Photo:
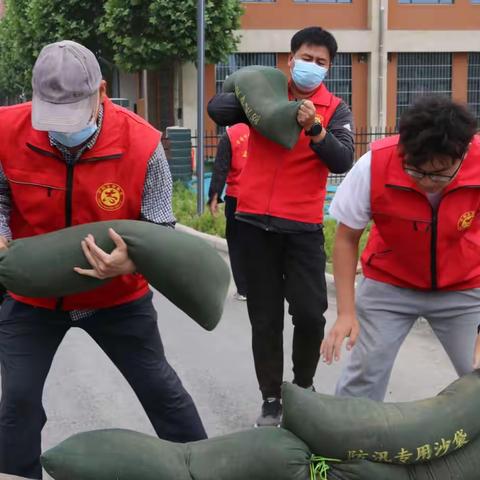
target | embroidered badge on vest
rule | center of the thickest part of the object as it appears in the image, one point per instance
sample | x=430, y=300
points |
x=465, y=221
x=110, y=196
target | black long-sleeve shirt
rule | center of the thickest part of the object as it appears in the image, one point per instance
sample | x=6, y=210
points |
x=221, y=168
x=336, y=150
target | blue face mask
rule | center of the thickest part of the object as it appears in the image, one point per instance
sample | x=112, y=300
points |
x=307, y=76
x=74, y=139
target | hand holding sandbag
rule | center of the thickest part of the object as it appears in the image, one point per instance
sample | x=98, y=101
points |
x=256, y=454
x=184, y=268
x=263, y=94
x=401, y=433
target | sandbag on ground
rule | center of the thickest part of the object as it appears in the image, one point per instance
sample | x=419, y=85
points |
x=346, y=428
x=184, y=268
x=462, y=464
x=256, y=454
x=116, y=455
x=263, y=94
x=267, y=453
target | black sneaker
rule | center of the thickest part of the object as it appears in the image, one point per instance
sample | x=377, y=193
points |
x=271, y=415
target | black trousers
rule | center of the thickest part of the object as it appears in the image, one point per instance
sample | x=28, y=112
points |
x=128, y=334
x=292, y=267
x=235, y=246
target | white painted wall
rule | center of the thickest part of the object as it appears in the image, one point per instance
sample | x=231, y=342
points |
x=189, y=94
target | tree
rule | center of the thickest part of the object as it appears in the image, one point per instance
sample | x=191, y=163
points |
x=77, y=20
x=144, y=33
x=29, y=25
x=16, y=58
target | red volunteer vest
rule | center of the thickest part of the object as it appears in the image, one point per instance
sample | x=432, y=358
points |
x=238, y=135
x=287, y=183
x=413, y=246
x=105, y=184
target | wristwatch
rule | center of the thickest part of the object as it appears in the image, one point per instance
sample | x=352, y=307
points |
x=315, y=129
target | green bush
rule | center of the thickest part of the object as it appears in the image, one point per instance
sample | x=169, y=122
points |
x=185, y=209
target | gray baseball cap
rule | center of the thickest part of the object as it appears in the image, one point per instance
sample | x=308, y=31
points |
x=66, y=78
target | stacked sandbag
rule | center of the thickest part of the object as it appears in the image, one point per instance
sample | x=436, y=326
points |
x=398, y=433
x=461, y=464
x=257, y=454
x=184, y=268
x=263, y=94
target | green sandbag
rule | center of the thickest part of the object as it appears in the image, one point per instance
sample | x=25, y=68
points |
x=182, y=267
x=462, y=464
x=263, y=94
x=256, y=454
x=267, y=453
x=351, y=428
x=116, y=455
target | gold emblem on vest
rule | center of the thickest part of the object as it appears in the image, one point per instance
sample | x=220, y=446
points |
x=110, y=196
x=465, y=221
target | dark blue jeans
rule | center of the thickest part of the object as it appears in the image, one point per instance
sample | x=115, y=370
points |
x=128, y=334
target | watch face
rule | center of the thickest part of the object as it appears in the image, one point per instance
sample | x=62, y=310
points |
x=316, y=129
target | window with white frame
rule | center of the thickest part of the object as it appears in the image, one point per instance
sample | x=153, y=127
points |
x=473, y=98
x=339, y=77
x=420, y=74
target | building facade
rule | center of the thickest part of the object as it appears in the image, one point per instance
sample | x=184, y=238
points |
x=390, y=51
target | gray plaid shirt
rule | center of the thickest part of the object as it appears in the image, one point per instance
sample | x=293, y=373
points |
x=156, y=199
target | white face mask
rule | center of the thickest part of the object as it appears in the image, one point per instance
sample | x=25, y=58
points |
x=307, y=76
x=75, y=139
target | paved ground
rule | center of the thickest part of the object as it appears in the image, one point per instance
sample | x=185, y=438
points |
x=84, y=391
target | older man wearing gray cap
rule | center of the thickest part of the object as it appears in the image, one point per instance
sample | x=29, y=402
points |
x=70, y=157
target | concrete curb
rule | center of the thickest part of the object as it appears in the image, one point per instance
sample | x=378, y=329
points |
x=220, y=244
x=217, y=243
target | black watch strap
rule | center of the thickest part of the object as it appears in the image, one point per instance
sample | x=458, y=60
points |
x=315, y=129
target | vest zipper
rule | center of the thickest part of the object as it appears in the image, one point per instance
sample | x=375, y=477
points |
x=434, y=237
x=68, y=212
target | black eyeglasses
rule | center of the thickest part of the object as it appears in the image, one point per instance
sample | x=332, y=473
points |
x=434, y=177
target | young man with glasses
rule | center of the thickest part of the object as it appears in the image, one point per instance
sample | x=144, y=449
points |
x=421, y=188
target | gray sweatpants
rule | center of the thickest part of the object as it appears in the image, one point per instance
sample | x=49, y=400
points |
x=387, y=313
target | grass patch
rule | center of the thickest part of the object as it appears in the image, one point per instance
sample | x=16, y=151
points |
x=185, y=210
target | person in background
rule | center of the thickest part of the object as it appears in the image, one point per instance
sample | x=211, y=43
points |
x=280, y=213
x=229, y=162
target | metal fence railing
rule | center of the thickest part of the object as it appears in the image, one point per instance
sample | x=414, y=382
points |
x=363, y=139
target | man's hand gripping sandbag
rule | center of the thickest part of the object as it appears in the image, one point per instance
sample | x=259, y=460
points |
x=184, y=268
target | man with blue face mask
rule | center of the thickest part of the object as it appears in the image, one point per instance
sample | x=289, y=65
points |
x=280, y=213
x=71, y=157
